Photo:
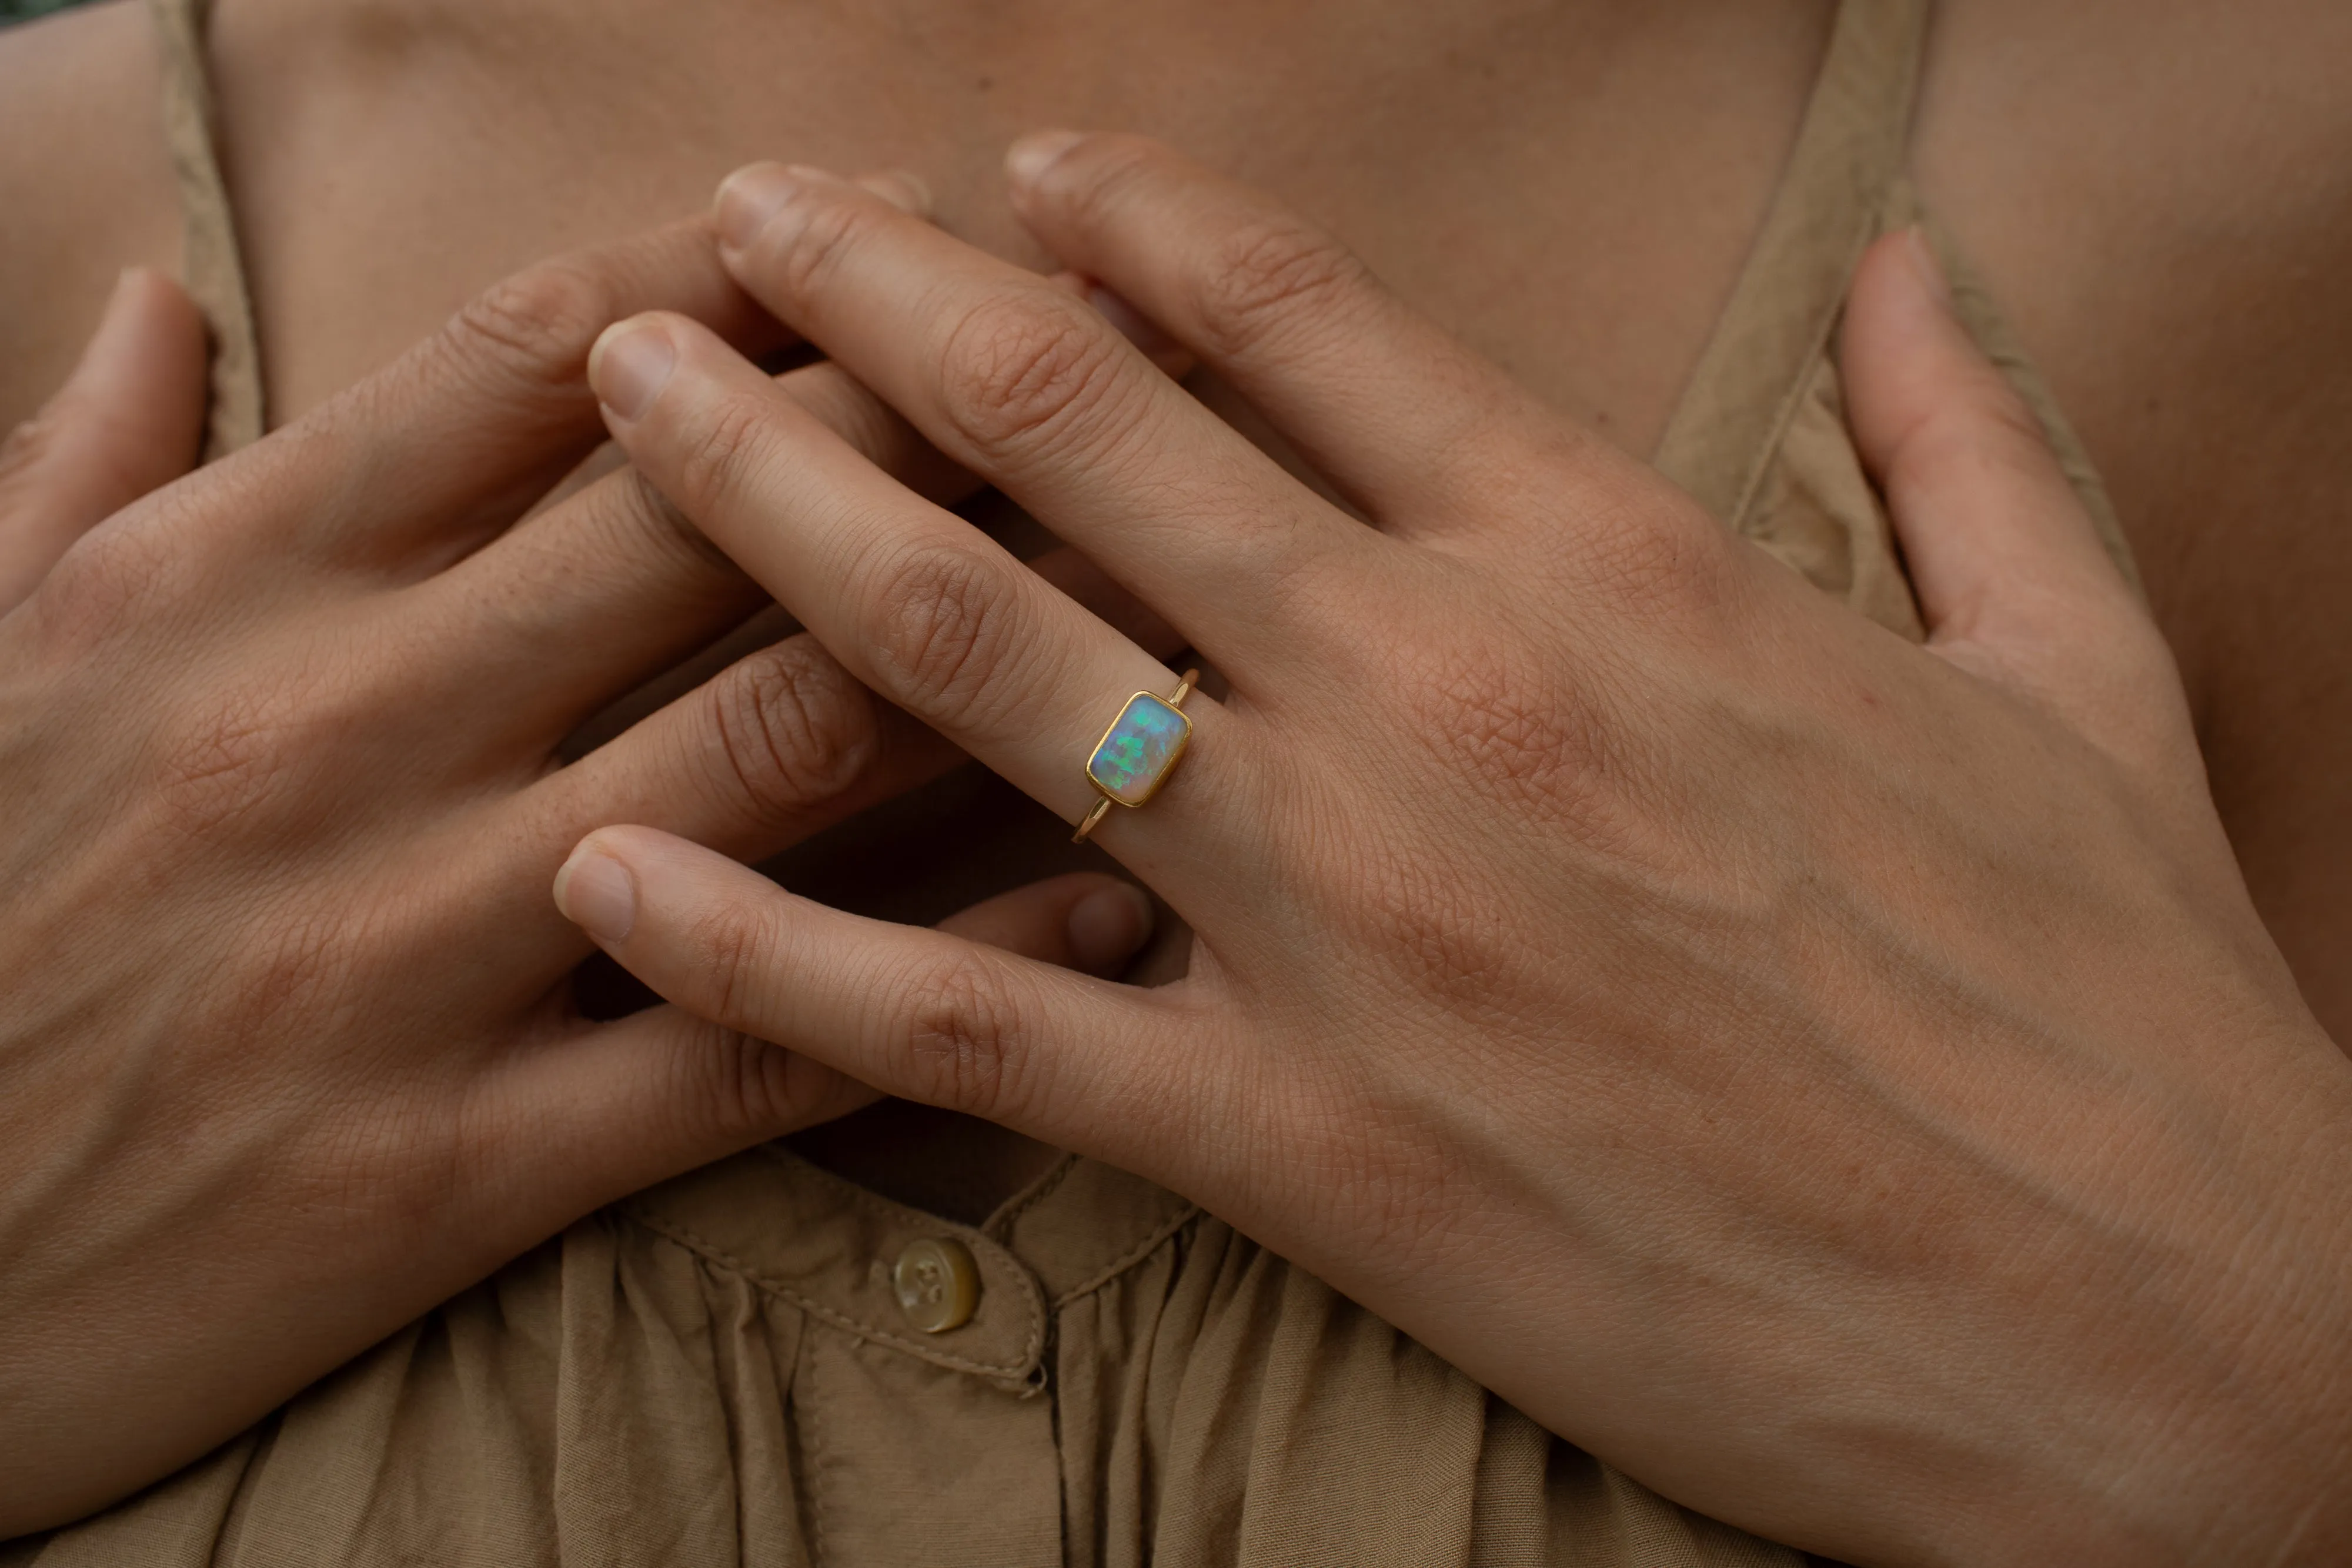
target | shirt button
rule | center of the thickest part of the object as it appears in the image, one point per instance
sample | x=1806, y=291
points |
x=938, y=1284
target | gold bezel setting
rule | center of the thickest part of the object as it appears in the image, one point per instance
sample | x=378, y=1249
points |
x=1124, y=718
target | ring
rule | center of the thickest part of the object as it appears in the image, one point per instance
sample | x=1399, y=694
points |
x=1138, y=752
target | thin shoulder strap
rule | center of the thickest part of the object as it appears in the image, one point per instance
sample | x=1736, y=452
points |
x=1846, y=183
x=213, y=265
x=1847, y=161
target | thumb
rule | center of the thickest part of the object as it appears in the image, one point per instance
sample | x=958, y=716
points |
x=600, y=1111
x=2012, y=580
x=126, y=422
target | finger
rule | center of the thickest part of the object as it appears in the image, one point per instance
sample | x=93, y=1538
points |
x=2012, y=578
x=615, y=593
x=634, y=1102
x=1027, y=387
x=418, y=465
x=781, y=744
x=769, y=748
x=588, y=599
x=777, y=745
x=1384, y=403
x=1083, y=921
x=1060, y=568
x=128, y=422
x=922, y=1014
x=914, y=602
x=607, y=587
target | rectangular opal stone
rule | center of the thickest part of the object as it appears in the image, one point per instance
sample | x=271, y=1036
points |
x=1139, y=748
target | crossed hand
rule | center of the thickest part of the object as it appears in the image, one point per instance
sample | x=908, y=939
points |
x=1840, y=1081
x=289, y=1052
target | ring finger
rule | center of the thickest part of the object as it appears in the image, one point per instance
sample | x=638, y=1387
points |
x=914, y=601
x=581, y=604
x=1021, y=384
x=610, y=586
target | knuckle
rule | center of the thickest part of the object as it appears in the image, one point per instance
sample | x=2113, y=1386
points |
x=1997, y=419
x=1512, y=722
x=638, y=510
x=745, y=1086
x=945, y=622
x=2011, y=428
x=219, y=766
x=793, y=729
x=1958, y=444
x=159, y=560
x=819, y=232
x=1269, y=271
x=536, y=327
x=731, y=954
x=1646, y=559
x=231, y=758
x=1026, y=372
x=963, y=1035
x=1108, y=179
x=723, y=452
x=25, y=452
x=1509, y=723
x=105, y=582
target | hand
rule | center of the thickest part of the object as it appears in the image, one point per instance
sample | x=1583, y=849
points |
x=1840, y=1081
x=127, y=422
x=287, y=1052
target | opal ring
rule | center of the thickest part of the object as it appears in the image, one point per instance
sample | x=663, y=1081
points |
x=1138, y=752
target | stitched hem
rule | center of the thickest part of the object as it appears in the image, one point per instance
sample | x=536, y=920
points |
x=1134, y=1255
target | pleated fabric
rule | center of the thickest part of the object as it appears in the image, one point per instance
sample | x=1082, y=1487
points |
x=718, y=1372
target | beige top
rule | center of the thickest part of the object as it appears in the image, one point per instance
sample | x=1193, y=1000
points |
x=723, y=1370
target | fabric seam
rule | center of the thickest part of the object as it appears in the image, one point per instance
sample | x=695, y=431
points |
x=1016, y=1372
x=1133, y=1256
x=1792, y=397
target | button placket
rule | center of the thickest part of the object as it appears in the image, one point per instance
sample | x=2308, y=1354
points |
x=829, y=1247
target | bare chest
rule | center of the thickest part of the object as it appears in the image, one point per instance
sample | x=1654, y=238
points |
x=1573, y=194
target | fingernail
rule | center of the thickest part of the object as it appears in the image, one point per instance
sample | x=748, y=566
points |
x=1026, y=161
x=629, y=366
x=597, y=893
x=747, y=198
x=123, y=282
x=113, y=335
x=1132, y=324
x=1930, y=269
x=901, y=189
x=1108, y=926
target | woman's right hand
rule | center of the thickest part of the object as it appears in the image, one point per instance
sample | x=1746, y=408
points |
x=287, y=1051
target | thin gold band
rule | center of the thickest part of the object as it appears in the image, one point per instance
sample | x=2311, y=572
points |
x=1102, y=807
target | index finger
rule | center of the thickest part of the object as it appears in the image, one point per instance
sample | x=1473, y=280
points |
x=1384, y=403
x=1027, y=386
x=415, y=466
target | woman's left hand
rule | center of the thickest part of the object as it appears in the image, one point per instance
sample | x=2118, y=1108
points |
x=1842, y=1083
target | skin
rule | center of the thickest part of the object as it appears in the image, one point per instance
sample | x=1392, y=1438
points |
x=1594, y=282
x=1977, y=1199
x=2156, y=192
x=231, y=1160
